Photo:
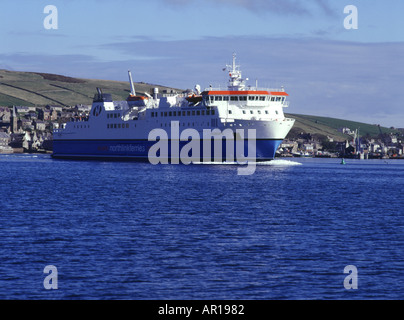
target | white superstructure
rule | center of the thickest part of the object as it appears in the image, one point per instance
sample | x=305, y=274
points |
x=238, y=106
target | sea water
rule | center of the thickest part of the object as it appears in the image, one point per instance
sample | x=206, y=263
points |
x=127, y=230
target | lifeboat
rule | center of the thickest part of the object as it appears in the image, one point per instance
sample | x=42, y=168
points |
x=194, y=98
x=137, y=100
x=133, y=99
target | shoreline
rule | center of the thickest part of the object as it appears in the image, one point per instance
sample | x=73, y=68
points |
x=47, y=152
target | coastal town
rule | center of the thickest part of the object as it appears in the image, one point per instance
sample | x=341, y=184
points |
x=384, y=146
x=28, y=129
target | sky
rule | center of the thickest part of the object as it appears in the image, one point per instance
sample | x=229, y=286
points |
x=303, y=45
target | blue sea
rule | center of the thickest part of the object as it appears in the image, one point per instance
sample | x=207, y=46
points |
x=128, y=230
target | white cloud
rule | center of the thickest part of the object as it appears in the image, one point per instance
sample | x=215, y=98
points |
x=285, y=7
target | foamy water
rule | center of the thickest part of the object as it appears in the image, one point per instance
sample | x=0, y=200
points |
x=279, y=163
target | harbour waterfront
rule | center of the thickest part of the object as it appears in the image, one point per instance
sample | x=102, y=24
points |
x=125, y=230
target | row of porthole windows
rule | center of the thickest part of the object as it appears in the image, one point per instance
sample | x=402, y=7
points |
x=113, y=115
x=252, y=112
x=184, y=113
x=118, y=125
x=81, y=126
x=213, y=123
x=193, y=124
x=247, y=124
x=202, y=124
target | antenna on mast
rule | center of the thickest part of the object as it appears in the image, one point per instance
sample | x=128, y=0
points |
x=234, y=62
x=132, y=88
x=236, y=82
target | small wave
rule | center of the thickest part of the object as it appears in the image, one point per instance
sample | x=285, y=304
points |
x=25, y=156
x=216, y=163
x=283, y=163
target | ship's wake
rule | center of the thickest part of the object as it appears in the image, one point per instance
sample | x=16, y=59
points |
x=280, y=163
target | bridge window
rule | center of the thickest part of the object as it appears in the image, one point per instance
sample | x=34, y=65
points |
x=233, y=98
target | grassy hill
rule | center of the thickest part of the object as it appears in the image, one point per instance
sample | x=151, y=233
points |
x=30, y=88
x=329, y=127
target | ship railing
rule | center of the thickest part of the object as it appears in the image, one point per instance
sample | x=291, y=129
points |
x=256, y=119
x=246, y=88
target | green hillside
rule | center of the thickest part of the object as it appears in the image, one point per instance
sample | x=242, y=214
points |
x=30, y=88
x=329, y=127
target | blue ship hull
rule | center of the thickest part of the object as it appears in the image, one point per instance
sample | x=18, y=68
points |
x=139, y=150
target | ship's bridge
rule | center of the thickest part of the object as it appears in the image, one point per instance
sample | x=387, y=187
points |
x=240, y=95
x=246, y=97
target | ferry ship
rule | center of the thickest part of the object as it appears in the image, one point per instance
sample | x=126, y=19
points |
x=120, y=129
